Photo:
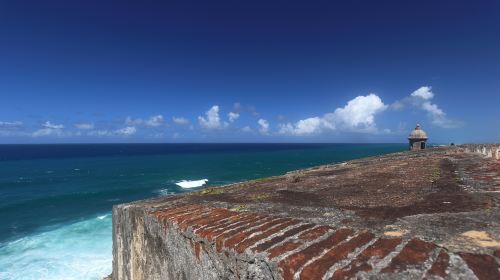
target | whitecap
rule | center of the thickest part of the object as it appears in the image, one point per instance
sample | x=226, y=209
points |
x=185, y=184
x=80, y=250
x=164, y=192
x=102, y=217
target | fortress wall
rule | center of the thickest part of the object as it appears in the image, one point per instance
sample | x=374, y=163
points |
x=488, y=150
x=199, y=242
x=283, y=231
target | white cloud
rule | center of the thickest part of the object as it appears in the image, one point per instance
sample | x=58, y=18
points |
x=233, y=116
x=50, y=125
x=302, y=127
x=13, y=132
x=421, y=97
x=246, y=129
x=180, y=120
x=100, y=133
x=397, y=105
x=360, y=111
x=126, y=131
x=130, y=121
x=47, y=132
x=11, y=128
x=10, y=125
x=84, y=126
x=263, y=126
x=154, y=121
x=211, y=119
x=424, y=92
x=50, y=129
x=176, y=135
x=358, y=115
x=438, y=116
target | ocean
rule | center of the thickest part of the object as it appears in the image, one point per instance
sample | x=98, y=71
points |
x=55, y=200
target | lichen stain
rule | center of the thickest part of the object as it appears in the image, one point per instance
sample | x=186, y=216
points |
x=481, y=238
x=394, y=233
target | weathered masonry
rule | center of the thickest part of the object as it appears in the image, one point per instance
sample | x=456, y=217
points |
x=417, y=139
x=433, y=214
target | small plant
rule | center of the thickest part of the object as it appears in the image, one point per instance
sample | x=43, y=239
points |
x=241, y=207
x=263, y=179
x=209, y=191
x=436, y=174
x=259, y=196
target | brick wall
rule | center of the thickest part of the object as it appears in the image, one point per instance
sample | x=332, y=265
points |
x=199, y=242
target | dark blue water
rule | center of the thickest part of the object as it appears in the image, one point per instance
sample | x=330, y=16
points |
x=55, y=200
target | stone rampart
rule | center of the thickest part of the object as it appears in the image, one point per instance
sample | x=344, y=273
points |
x=431, y=214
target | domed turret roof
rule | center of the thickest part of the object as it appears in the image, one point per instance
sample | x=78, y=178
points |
x=418, y=133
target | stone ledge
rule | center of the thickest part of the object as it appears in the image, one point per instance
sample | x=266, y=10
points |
x=297, y=249
x=431, y=214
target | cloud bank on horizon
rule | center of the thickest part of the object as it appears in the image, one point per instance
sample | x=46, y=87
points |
x=357, y=116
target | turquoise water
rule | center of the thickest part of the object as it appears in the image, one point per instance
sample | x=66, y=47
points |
x=55, y=200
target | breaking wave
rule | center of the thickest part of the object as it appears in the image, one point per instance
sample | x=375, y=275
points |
x=191, y=184
x=81, y=250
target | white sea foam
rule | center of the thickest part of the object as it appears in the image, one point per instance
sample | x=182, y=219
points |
x=164, y=192
x=191, y=184
x=74, y=251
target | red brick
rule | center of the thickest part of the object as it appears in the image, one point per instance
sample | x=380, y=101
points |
x=416, y=252
x=485, y=267
x=379, y=250
x=193, y=218
x=221, y=223
x=177, y=219
x=201, y=231
x=440, y=265
x=168, y=217
x=220, y=239
x=275, y=240
x=237, y=227
x=294, y=262
x=250, y=241
x=197, y=249
x=237, y=238
x=319, y=267
x=250, y=219
x=166, y=213
x=237, y=220
x=314, y=233
x=294, y=244
x=213, y=217
x=283, y=248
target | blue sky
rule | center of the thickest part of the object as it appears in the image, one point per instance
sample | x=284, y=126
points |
x=248, y=71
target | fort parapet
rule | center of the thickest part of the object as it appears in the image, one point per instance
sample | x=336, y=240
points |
x=430, y=214
x=488, y=150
